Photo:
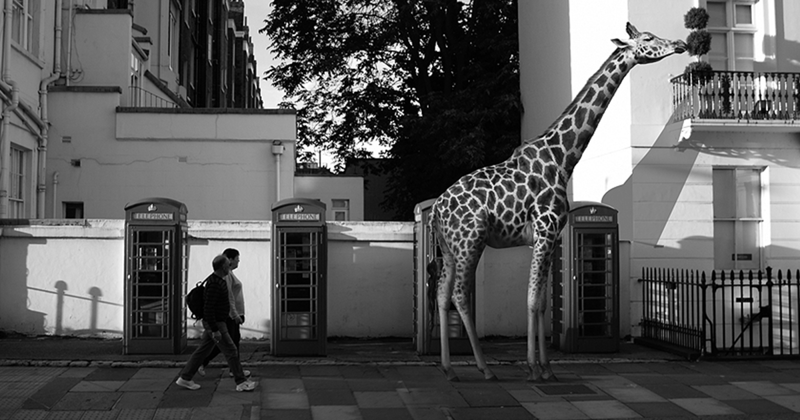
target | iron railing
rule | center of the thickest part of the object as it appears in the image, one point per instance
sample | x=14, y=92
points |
x=727, y=314
x=736, y=95
x=140, y=98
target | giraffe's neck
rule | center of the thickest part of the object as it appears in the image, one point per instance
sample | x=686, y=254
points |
x=567, y=138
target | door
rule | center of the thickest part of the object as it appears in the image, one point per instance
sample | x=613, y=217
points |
x=300, y=306
x=150, y=290
x=595, y=271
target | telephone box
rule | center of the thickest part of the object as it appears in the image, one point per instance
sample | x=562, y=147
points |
x=426, y=309
x=299, y=278
x=156, y=274
x=586, y=281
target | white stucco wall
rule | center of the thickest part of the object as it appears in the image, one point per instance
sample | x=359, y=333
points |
x=328, y=188
x=66, y=278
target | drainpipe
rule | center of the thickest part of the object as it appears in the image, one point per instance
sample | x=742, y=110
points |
x=41, y=188
x=68, y=73
x=5, y=147
x=55, y=195
x=277, y=150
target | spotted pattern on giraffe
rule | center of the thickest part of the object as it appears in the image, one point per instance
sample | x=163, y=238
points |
x=523, y=200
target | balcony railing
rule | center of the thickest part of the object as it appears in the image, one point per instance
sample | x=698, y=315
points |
x=140, y=98
x=736, y=95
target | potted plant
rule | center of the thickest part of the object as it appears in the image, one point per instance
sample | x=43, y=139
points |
x=698, y=44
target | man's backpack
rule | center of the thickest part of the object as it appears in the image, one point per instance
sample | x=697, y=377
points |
x=196, y=299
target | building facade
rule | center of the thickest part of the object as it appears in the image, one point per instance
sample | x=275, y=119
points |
x=704, y=170
x=110, y=101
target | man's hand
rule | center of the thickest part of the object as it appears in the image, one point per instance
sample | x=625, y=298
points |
x=240, y=319
x=216, y=335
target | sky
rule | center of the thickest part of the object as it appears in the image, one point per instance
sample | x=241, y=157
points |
x=256, y=11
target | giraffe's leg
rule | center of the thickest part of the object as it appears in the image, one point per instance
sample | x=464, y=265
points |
x=462, y=298
x=443, y=295
x=547, y=370
x=537, y=303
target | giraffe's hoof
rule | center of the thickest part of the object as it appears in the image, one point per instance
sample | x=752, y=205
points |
x=535, y=374
x=548, y=375
x=488, y=374
x=450, y=374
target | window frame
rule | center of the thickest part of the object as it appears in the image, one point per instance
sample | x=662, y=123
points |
x=17, y=182
x=730, y=31
x=25, y=25
x=340, y=209
x=721, y=260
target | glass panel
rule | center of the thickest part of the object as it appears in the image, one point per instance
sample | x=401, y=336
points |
x=744, y=14
x=723, y=245
x=743, y=45
x=747, y=250
x=717, y=14
x=748, y=193
x=723, y=181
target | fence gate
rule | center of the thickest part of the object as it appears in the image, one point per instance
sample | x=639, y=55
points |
x=729, y=314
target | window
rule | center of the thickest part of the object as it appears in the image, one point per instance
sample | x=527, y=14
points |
x=25, y=24
x=171, y=38
x=16, y=196
x=136, y=80
x=341, y=210
x=73, y=210
x=732, y=27
x=737, y=218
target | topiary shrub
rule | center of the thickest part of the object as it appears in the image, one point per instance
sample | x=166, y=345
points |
x=695, y=18
x=698, y=42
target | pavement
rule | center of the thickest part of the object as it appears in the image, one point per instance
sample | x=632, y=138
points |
x=75, y=378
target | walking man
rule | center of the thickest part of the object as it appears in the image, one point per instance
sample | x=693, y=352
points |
x=236, y=316
x=216, y=310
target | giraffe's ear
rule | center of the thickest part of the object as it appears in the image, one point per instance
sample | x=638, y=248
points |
x=619, y=43
x=632, y=31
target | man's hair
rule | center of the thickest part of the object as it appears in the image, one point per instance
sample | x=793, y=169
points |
x=219, y=260
x=231, y=253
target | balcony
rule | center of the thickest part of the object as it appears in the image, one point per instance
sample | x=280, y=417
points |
x=737, y=101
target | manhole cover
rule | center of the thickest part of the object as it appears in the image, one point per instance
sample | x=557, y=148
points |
x=566, y=389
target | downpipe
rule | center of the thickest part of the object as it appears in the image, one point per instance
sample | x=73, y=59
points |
x=41, y=188
x=5, y=147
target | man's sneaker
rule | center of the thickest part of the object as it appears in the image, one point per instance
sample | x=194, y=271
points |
x=201, y=370
x=187, y=384
x=246, y=373
x=246, y=386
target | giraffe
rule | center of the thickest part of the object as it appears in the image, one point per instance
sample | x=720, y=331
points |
x=523, y=201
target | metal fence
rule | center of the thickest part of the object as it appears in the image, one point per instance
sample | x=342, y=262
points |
x=726, y=314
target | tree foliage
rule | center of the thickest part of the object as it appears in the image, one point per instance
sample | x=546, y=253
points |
x=435, y=81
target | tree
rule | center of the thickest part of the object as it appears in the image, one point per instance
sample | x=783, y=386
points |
x=436, y=81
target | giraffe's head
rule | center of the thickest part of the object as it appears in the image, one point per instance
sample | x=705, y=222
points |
x=648, y=48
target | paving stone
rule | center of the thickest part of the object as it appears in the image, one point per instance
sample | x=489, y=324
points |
x=111, y=374
x=378, y=399
x=132, y=400
x=64, y=415
x=100, y=415
x=156, y=373
x=400, y=413
x=647, y=379
x=483, y=413
x=605, y=409
x=28, y=415
x=659, y=409
x=633, y=394
x=311, y=371
x=324, y=383
x=282, y=385
x=676, y=390
x=285, y=401
x=725, y=392
x=792, y=402
x=369, y=384
x=432, y=397
x=147, y=385
x=217, y=413
x=78, y=401
x=760, y=406
x=335, y=412
x=554, y=410
x=97, y=386
x=763, y=388
x=48, y=395
x=282, y=414
x=328, y=397
x=488, y=398
x=706, y=406
x=172, y=414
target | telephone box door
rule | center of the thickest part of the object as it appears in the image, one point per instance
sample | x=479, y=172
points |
x=586, y=281
x=156, y=254
x=299, y=296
